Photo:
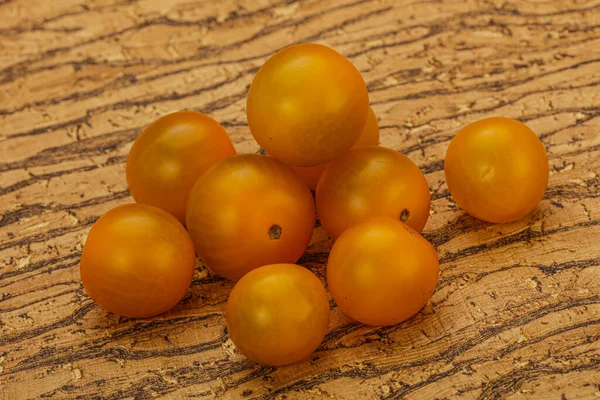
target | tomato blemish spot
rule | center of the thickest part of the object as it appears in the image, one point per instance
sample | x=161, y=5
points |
x=274, y=232
x=404, y=215
x=410, y=231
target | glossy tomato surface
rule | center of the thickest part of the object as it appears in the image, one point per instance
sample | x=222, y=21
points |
x=371, y=182
x=307, y=105
x=170, y=155
x=278, y=314
x=381, y=272
x=137, y=261
x=497, y=169
x=368, y=137
x=247, y=211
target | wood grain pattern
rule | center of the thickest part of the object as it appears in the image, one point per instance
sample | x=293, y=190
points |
x=517, y=310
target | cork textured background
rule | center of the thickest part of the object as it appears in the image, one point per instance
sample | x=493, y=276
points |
x=517, y=310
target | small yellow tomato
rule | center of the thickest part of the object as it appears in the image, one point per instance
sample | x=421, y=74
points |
x=371, y=182
x=310, y=175
x=307, y=105
x=278, y=314
x=381, y=272
x=247, y=211
x=370, y=134
x=497, y=169
x=137, y=261
x=170, y=155
x=368, y=137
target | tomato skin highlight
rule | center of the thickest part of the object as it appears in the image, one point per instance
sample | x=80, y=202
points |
x=307, y=105
x=170, y=155
x=368, y=137
x=371, y=182
x=247, y=211
x=381, y=272
x=497, y=169
x=138, y=261
x=278, y=314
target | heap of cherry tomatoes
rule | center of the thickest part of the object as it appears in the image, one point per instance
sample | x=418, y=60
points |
x=250, y=217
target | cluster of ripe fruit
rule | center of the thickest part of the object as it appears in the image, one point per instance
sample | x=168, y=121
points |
x=251, y=217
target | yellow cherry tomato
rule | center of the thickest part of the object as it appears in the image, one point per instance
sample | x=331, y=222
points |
x=368, y=137
x=310, y=175
x=247, y=211
x=497, y=169
x=278, y=314
x=307, y=105
x=170, y=155
x=137, y=261
x=370, y=134
x=381, y=272
x=371, y=182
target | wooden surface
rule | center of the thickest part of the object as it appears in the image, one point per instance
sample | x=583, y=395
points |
x=517, y=310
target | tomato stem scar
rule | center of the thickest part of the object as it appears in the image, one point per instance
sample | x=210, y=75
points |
x=275, y=232
x=404, y=215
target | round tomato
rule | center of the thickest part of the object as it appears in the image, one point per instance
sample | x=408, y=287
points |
x=370, y=134
x=307, y=105
x=170, y=155
x=371, y=182
x=137, y=261
x=310, y=175
x=247, y=211
x=368, y=137
x=278, y=314
x=497, y=169
x=381, y=272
